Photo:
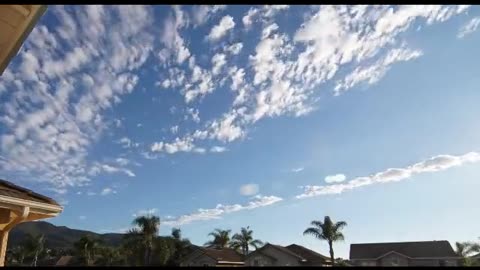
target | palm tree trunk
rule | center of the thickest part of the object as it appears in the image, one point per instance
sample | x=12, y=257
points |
x=147, y=255
x=332, y=256
x=35, y=259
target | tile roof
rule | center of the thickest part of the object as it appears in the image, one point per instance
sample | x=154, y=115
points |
x=424, y=249
x=11, y=190
x=303, y=254
x=308, y=254
x=224, y=254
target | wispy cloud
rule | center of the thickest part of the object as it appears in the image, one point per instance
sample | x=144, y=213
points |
x=434, y=164
x=49, y=131
x=108, y=191
x=220, y=210
x=145, y=212
x=218, y=149
x=299, y=169
x=335, y=178
x=469, y=27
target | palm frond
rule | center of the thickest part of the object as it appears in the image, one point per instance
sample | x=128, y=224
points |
x=312, y=231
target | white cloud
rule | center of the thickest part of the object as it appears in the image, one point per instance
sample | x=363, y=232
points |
x=178, y=145
x=220, y=210
x=171, y=38
x=82, y=217
x=222, y=28
x=98, y=168
x=91, y=193
x=218, y=61
x=218, y=149
x=174, y=129
x=203, y=13
x=235, y=48
x=122, y=161
x=77, y=73
x=146, y=212
x=434, y=164
x=107, y=191
x=335, y=178
x=469, y=27
x=249, y=17
x=249, y=189
x=126, y=142
x=375, y=72
x=295, y=170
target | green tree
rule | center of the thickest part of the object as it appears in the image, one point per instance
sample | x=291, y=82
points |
x=180, y=247
x=148, y=229
x=328, y=231
x=221, y=238
x=244, y=240
x=34, y=246
x=110, y=255
x=19, y=253
x=465, y=250
x=132, y=248
x=87, y=247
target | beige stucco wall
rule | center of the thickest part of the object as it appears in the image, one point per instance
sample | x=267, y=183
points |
x=393, y=259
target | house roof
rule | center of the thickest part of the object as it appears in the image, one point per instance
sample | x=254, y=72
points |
x=303, y=254
x=223, y=255
x=64, y=260
x=11, y=190
x=424, y=249
x=308, y=254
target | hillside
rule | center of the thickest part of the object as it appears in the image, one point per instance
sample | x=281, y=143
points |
x=57, y=236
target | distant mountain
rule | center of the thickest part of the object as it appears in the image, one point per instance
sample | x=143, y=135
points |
x=57, y=236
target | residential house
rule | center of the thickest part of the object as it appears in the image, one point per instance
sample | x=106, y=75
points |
x=201, y=256
x=426, y=253
x=18, y=204
x=292, y=255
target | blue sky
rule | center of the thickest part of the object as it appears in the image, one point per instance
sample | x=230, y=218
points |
x=261, y=116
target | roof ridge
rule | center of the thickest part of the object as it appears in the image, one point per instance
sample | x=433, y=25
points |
x=403, y=242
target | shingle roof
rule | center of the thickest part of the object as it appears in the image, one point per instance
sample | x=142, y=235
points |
x=224, y=254
x=308, y=254
x=425, y=249
x=303, y=254
x=11, y=190
x=288, y=251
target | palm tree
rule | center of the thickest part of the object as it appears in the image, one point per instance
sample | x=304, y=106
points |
x=244, y=239
x=148, y=228
x=35, y=246
x=132, y=248
x=181, y=247
x=327, y=230
x=87, y=246
x=221, y=238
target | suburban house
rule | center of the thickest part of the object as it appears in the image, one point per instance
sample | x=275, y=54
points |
x=292, y=255
x=18, y=204
x=201, y=256
x=426, y=253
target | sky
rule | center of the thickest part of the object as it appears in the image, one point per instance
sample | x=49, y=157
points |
x=261, y=116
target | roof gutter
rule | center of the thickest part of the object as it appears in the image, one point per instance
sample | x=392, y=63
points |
x=38, y=207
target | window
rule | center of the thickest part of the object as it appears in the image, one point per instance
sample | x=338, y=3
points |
x=394, y=261
x=255, y=262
